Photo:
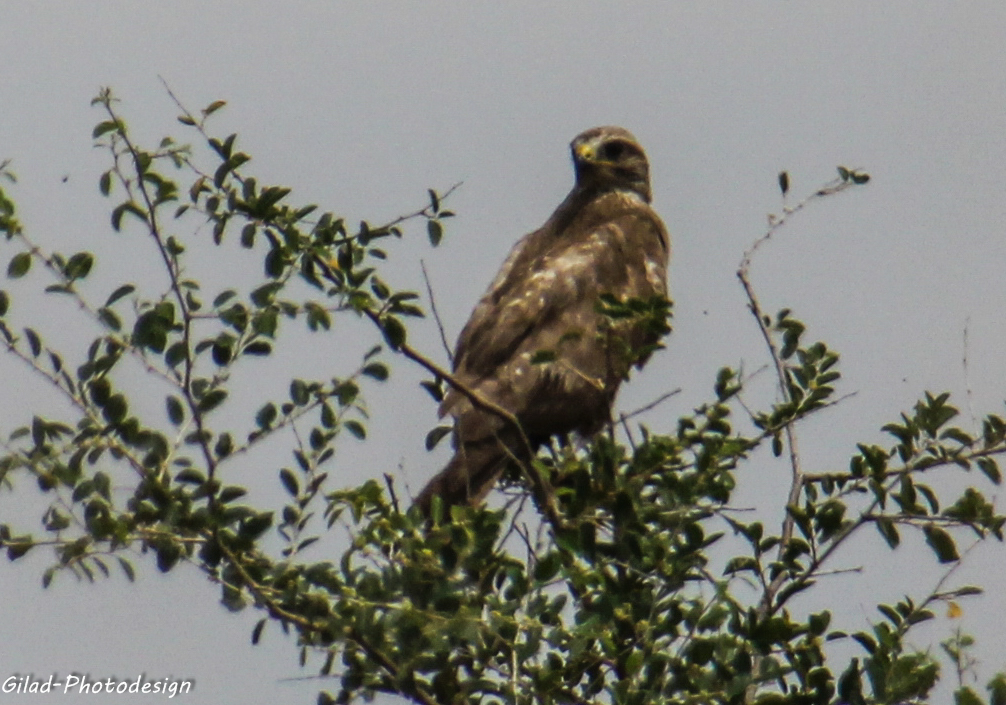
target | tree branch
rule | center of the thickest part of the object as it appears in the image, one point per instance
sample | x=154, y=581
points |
x=436, y=314
x=539, y=487
x=261, y=593
x=171, y=266
x=743, y=274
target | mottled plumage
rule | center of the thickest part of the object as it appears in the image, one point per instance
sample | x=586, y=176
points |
x=603, y=239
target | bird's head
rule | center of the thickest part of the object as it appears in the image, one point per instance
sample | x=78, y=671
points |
x=611, y=158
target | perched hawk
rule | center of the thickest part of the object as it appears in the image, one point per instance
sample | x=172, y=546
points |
x=604, y=238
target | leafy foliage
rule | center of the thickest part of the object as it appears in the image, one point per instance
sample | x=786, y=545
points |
x=615, y=598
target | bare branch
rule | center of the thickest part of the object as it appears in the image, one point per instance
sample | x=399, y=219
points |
x=436, y=314
x=652, y=405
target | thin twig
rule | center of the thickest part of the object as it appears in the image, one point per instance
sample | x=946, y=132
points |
x=520, y=500
x=838, y=571
x=906, y=469
x=436, y=314
x=652, y=405
x=776, y=221
x=623, y=419
x=389, y=482
x=967, y=376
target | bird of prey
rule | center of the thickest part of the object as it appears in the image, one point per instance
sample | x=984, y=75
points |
x=536, y=344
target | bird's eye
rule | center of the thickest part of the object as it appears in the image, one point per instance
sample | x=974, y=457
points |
x=613, y=151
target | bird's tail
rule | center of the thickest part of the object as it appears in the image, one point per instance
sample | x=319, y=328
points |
x=471, y=473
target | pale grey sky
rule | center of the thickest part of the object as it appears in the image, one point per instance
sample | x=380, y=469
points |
x=362, y=106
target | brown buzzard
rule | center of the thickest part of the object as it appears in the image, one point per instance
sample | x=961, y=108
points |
x=604, y=238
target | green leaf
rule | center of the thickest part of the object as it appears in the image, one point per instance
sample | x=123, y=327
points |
x=274, y=263
x=988, y=465
x=328, y=418
x=740, y=564
x=784, y=182
x=175, y=354
x=433, y=389
x=212, y=400
x=190, y=476
x=79, y=265
x=265, y=322
x=435, y=231
x=266, y=416
x=298, y=392
x=248, y=236
x=33, y=342
x=213, y=107
x=127, y=568
x=958, y=435
x=394, y=331
x=259, y=347
x=167, y=556
x=115, y=409
x=436, y=435
x=152, y=327
x=942, y=544
x=255, y=526
x=124, y=290
x=109, y=318
x=356, y=428
x=4, y=303
x=263, y=295
x=176, y=412
x=818, y=623
x=229, y=494
x=890, y=613
x=376, y=370
x=289, y=482
x=19, y=265
x=105, y=183
x=997, y=690
x=257, y=631
x=223, y=297
x=225, y=445
x=850, y=685
x=317, y=317
x=223, y=350
x=104, y=127
x=17, y=549
x=122, y=209
x=888, y=531
x=966, y=696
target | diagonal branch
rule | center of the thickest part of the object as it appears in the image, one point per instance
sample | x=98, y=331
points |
x=171, y=267
x=539, y=486
x=436, y=314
